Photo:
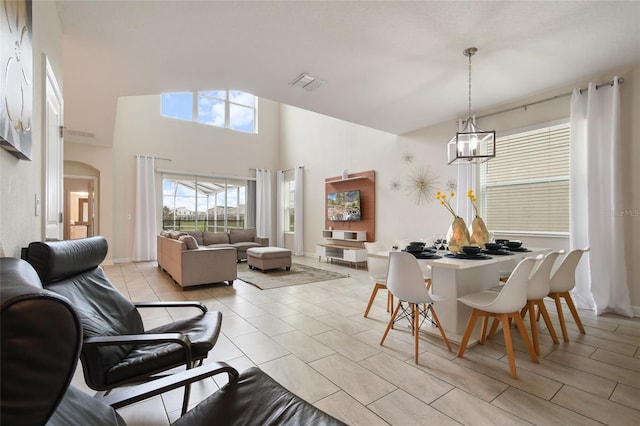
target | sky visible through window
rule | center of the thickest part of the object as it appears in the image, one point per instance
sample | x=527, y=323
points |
x=212, y=107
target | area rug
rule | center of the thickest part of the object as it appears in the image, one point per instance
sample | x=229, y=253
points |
x=299, y=274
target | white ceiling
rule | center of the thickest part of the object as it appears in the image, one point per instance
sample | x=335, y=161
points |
x=396, y=66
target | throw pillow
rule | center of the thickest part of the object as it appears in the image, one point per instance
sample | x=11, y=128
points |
x=189, y=241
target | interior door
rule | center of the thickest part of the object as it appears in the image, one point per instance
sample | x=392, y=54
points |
x=53, y=204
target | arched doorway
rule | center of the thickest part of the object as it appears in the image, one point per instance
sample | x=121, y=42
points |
x=81, y=183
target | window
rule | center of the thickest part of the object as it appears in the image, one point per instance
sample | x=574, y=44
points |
x=231, y=109
x=289, y=205
x=204, y=203
x=526, y=187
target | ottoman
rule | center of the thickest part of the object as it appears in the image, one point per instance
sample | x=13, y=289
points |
x=268, y=258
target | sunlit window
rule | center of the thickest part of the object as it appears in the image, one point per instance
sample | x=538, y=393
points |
x=526, y=187
x=231, y=109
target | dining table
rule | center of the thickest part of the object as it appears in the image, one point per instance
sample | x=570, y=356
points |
x=453, y=276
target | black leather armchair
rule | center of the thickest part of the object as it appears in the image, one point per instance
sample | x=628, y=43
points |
x=116, y=348
x=41, y=337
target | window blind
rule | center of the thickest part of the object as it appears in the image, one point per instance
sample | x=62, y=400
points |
x=526, y=187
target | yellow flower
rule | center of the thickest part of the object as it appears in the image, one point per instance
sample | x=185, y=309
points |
x=473, y=199
x=445, y=202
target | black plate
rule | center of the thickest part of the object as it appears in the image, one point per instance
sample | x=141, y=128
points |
x=520, y=249
x=468, y=256
x=426, y=255
x=501, y=252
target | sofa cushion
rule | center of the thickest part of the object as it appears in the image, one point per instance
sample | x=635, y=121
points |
x=189, y=241
x=241, y=235
x=245, y=245
x=209, y=238
x=197, y=234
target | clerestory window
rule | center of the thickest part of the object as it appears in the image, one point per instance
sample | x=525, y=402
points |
x=231, y=109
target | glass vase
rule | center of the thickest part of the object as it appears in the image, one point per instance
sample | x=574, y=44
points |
x=479, y=232
x=459, y=235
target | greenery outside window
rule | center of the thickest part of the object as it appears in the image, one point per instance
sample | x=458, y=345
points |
x=204, y=203
x=231, y=109
x=289, y=205
x=525, y=188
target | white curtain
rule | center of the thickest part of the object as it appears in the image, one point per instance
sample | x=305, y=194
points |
x=263, y=204
x=298, y=220
x=145, y=227
x=596, y=200
x=280, y=190
x=466, y=181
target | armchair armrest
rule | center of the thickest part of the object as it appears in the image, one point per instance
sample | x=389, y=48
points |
x=263, y=241
x=133, y=394
x=129, y=339
x=172, y=304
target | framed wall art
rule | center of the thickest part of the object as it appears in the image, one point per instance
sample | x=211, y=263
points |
x=16, y=77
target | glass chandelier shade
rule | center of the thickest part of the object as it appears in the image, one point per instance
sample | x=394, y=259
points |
x=471, y=145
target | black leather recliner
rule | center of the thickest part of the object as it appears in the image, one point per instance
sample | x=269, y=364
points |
x=116, y=348
x=41, y=337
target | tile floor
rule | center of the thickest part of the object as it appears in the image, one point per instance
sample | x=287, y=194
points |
x=314, y=340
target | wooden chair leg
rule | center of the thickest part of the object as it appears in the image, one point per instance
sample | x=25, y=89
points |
x=373, y=297
x=574, y=311
x=508, y=343
x=525, y=336
x=390, y=325
x=494, y=328
x=467, y=333
x=389, y=302
x=415, y=316
x=483, y=330
x=427, y=281
x=437, y=321
x=542, y=310
x=529, y=307
x=563, y=325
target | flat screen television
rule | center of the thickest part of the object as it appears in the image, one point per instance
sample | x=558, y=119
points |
x=344, y=206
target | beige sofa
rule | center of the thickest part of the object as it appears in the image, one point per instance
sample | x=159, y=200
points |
x=239, y=239
x=189, y=267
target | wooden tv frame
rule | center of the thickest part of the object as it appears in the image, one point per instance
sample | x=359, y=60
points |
x=366, y=183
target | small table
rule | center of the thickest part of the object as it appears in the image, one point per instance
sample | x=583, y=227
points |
x=454, y=278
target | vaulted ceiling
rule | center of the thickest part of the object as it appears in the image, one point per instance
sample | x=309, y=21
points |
x=395, y=66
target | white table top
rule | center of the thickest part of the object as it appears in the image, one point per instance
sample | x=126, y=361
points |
x=448, y=262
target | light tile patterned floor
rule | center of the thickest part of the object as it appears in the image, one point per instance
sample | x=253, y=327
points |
x=314, y=340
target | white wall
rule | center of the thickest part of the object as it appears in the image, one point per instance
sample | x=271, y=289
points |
x=326, y=146
x=192, y=147
x=21, y=180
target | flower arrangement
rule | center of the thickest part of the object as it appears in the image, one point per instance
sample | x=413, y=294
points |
x=479, y=233
x=446, y=201
x=473, y=199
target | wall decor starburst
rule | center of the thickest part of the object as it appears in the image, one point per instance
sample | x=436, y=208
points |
x=407, y=158
x=421, y=185
x=395, y=185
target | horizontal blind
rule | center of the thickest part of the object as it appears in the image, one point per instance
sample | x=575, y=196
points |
x=526, y=186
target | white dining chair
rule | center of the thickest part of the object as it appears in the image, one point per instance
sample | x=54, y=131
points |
x=563, y=279
x=426, y=269
x=537, y=289
x=378, y=274
x=406, y=282
x=505, y=306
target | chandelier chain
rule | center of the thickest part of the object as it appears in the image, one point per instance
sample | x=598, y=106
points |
x=469, y=115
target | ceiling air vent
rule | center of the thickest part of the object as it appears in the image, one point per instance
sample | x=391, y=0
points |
x=307, y=82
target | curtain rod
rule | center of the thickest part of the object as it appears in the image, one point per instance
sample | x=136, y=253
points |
x=553, y=98
x=155, y=158
x=292, y=169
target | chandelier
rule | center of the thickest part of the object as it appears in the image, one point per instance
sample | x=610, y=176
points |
x=471, y=145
